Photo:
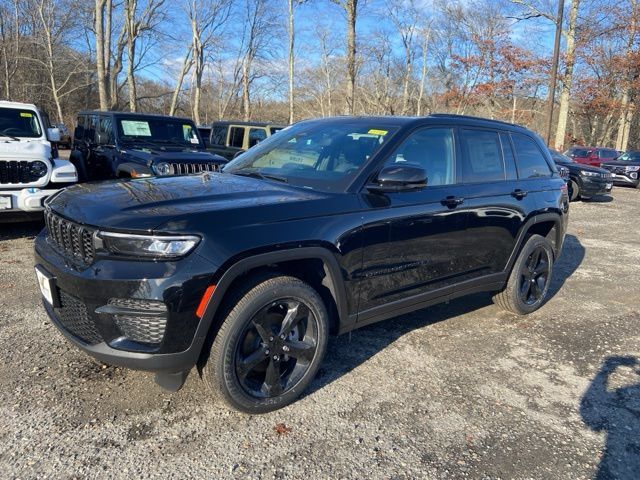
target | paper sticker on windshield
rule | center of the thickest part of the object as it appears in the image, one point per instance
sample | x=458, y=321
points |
x=136, y=128
x=373, y=131
x=26, y=114
x=190, y=134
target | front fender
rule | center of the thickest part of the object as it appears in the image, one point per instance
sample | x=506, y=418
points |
x=134, y=170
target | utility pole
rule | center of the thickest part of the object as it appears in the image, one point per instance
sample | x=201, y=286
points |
x=551, y=97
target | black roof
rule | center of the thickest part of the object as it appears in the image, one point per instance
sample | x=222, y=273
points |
x=131, y=114
x=250, y=124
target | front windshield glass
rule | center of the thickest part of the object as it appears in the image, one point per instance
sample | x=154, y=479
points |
x=630, y=157
x=16, y=122
x=159, y=131
x=319, y=155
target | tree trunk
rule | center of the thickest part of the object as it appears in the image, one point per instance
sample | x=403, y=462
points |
x=246, y=98
x=291, y=60
x=130, y=7
x=351, y=7
x=101, y=69
x=626, y=110
x=570, y=58
x=423, y=76
x=186, y=65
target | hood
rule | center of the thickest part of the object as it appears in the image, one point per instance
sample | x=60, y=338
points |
x=153, y=155
x=617, y=163
x=575, y=167
x=24, y=149
x=146, y=204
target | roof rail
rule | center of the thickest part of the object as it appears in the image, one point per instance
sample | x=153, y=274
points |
x=469, y=117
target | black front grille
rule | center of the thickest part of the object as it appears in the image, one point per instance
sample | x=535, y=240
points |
x=191, y=168
x=76, y=241
x=13, y=171
x=74, y=317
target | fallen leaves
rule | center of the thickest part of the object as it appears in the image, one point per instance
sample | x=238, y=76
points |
x=281, y=429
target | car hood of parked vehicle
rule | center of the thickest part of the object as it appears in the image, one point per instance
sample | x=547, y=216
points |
x=620, y=163
x=170, y=154
x=575, y=167
x=32, y=148
x=180, y=203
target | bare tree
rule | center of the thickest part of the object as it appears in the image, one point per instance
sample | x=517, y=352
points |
x=207, y=18
x=135, y=26
x=10, y=42
x=187, y=63
x=350, y=8
x=631, y=73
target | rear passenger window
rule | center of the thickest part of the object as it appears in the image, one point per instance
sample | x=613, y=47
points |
x=256, y=135
x=236, y=137
x=531, y=161
x=219, y=135
x=483, y=160
x=431, y=149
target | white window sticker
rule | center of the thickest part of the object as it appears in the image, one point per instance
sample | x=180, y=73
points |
x=136, y=128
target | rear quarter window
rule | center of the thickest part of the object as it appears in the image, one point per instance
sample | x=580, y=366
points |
x=531, y=162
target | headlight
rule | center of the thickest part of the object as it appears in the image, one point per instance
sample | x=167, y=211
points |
x=38, y=169
x=147, y=246
x=589, y=174
x=632, y=168
x=163, y=168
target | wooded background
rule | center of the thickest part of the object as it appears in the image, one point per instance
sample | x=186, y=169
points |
x=286, y=60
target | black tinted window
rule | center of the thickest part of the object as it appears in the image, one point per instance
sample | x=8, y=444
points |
x=483, y=159
x=608, y=154
x=256, y=135
x=236, y=137
x=531, y=161
x=431, y=149
x=104, y=128
x=219, y=135
x=509, y=159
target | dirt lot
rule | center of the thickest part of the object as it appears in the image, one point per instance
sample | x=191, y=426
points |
x=455, y=391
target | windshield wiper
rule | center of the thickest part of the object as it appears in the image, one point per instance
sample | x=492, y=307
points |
x=260, y=175
x=9, y=136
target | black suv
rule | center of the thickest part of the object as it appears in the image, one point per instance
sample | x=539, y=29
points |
x=585, y=181
x=328, y=226
x=131, y=145
x=625, y=169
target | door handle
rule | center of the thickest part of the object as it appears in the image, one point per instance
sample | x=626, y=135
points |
x=452, y=201
x=519, y=194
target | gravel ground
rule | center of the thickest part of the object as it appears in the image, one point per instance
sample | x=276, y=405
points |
x=460, y=390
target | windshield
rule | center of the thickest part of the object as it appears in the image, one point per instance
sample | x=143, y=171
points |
x=18, y=122
x=319, y=155
x=630, y=157
x=162, y=131
x=577, y=152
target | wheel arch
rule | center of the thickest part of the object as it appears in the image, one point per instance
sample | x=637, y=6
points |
x=316, y=265
x=548, y=225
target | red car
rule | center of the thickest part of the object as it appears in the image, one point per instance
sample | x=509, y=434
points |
x=591, y=155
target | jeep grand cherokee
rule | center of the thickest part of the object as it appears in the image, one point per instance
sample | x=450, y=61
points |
x=328, y=226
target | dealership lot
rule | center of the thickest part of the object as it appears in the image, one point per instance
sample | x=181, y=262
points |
x=457, y=390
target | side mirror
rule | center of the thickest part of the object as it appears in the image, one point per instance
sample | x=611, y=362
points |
x=396, y=178
x=53, y=134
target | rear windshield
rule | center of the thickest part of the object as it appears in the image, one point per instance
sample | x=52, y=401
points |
x=16, y=122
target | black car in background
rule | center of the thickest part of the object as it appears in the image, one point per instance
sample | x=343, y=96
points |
x=625, y=169
x=585, y=181
x=330, y=225
x=133, y=145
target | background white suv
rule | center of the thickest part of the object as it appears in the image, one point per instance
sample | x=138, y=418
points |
x=29, y=173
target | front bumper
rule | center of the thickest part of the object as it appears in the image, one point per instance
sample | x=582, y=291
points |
x=26, y=199
x=92, y=302
x=627, y=179
x=596, y=186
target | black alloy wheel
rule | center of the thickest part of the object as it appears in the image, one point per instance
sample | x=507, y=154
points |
x=528, y=285
x=270, y=344
x=534, y=276
x=276, y=348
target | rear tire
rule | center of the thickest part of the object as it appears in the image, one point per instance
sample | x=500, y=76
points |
x=574, y=191
x=269, y=346
x=528, y=285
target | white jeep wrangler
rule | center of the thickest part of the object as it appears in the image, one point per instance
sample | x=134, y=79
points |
x=29, y=173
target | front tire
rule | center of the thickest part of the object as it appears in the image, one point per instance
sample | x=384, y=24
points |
x=270, y=345
x=574, y=191
x=528, y=285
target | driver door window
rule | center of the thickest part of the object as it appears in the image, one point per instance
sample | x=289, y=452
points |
x=431, y=149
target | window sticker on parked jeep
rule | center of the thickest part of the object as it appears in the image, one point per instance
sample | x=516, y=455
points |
x=190, y=134
x=136, y=128
x=374, y=131
x=26, y=114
